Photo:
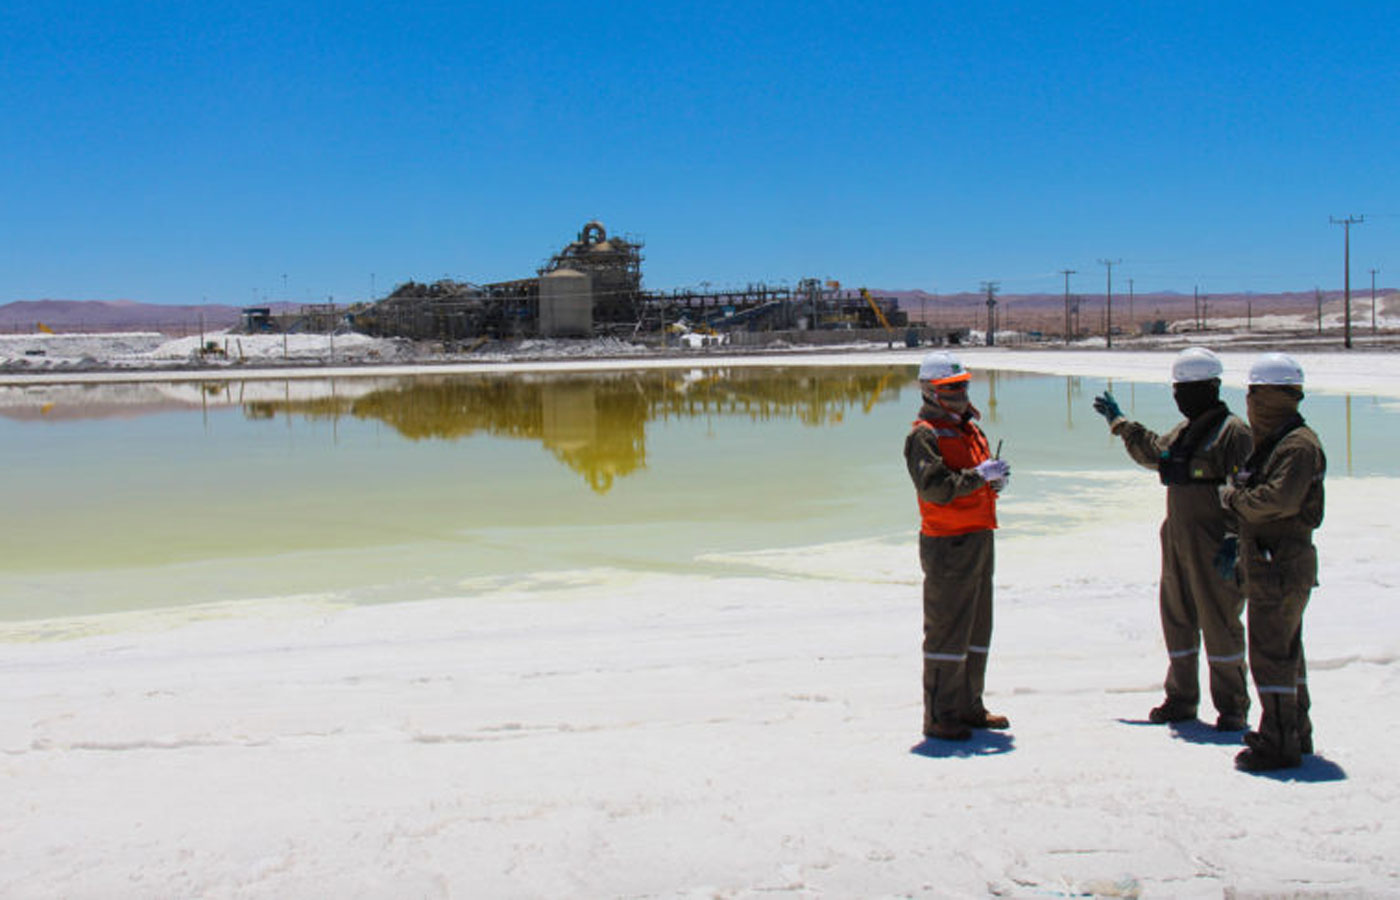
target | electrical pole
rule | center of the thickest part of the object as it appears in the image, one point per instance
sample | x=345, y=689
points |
x=991, y=287
x=1204, y=311
x=1196, y=306
x=1131, y=320
x=1067, y=273
x=1373, y=300
x=1317, y=292
x=1108, y=309
x=1346, y=265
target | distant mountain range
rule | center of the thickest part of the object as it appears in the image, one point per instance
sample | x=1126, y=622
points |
x=131, y=315
x=119, y=315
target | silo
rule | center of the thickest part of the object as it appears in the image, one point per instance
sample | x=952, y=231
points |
x=566, y=304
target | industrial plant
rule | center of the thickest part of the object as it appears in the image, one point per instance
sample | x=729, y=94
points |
x=593, y=287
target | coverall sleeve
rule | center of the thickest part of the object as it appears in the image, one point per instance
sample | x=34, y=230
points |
x=1233, y=449
x=935, y=480
x=1144, y=445
x=1280, y=495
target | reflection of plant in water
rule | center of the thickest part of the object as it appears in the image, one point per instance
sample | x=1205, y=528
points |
x=595, y=423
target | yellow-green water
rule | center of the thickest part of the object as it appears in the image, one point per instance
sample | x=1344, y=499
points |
x=377, y=490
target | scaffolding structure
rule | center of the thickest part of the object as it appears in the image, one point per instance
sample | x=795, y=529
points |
x=610, y=271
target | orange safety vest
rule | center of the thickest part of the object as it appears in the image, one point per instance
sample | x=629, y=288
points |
x=961, y=448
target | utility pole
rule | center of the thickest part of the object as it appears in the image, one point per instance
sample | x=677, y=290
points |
x=1317, y=292
x=1067, y=273
x=1108, y=309
x=1196, y=306
x=1131, y=320
x=1346, y=266
x=1373, y=300
x=991, y=287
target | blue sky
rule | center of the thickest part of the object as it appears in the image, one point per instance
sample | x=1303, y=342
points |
x=177, y=151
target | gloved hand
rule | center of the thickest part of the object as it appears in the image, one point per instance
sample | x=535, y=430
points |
x=1106, y=406
x=1226, y=557
x=994, y=472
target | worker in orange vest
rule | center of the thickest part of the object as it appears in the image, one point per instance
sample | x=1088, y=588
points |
x=957, y=480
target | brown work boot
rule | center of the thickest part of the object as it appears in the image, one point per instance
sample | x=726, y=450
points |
x=1171, y=711
x=985, y=719
x=1263, y=759
x=949, y=731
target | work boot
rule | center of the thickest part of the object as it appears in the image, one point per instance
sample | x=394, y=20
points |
x=1171, y=711
x=1228, y=722
x=1264, y=760
x=1275, y=745
x=949, y=731
x=985, y=719
x=1256, y=740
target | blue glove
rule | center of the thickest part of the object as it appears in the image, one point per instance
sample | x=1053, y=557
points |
x=1226, y=557
x=1106, y=406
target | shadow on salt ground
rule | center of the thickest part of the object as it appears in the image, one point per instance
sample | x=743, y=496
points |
x=1314, y=770
x=1198, y=732
x=1193, y=730
x=982, y=743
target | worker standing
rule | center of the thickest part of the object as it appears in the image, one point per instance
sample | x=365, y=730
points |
x=957, y=480
x=1198, y=594
x=1278, y=498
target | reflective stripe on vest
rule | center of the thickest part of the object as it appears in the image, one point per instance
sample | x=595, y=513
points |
x=977, y=511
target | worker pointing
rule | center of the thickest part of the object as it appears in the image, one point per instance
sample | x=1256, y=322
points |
x=957, y=481
x=1198, y=593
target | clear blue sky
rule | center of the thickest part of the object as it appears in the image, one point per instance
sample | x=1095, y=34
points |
x=174, y=151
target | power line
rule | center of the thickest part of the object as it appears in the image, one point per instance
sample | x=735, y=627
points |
x=991, y=287
x=1067, y=273
x=1108, y=323
x=1346, y=266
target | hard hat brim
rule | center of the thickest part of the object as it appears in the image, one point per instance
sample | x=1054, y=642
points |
x=951, y=379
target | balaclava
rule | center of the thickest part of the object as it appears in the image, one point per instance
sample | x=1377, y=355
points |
x=1196, y=397
x=1269, y=406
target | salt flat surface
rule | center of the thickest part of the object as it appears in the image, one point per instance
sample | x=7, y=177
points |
x=601, y=733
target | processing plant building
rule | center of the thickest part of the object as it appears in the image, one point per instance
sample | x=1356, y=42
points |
x=593, y=286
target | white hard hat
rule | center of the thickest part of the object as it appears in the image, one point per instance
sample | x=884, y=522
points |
x=1196, y=364
x=942, y=367
x=1276, y=368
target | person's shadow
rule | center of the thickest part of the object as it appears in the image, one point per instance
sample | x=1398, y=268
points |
x=1314, y=769
x=982, y=743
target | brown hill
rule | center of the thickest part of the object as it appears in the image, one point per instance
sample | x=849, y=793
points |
x=1047, y=311
x=91, y=316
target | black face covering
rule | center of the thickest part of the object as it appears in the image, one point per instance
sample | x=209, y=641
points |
x=1196, y=397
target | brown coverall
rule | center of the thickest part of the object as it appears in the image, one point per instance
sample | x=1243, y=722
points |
x=957, y=586
x=1193, y=599
x=1278, y=509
